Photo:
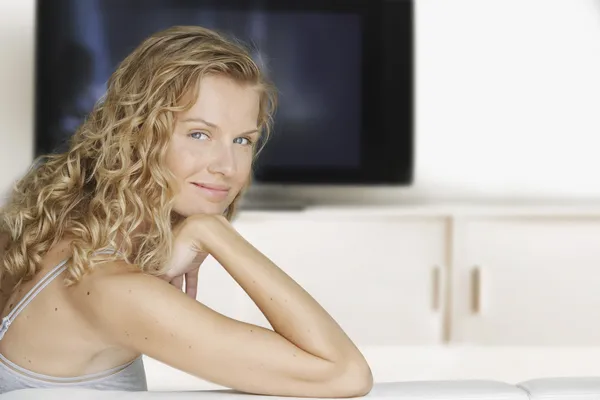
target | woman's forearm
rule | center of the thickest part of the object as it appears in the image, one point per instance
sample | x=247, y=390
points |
x=290, y=310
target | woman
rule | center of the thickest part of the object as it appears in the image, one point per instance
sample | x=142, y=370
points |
x=93, y=237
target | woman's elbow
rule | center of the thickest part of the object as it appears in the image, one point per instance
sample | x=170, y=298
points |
x=362, y=382
x=356, y=381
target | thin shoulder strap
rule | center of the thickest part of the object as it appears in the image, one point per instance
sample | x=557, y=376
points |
x=36, y=289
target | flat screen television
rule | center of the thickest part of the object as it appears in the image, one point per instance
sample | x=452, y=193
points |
x=344, y=70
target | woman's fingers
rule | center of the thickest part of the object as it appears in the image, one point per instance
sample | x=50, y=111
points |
x=191, y=283
x=178, y=282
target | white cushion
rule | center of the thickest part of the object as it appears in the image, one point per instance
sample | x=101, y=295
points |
x=425, y=390
x=447, y=390
x=579, y=388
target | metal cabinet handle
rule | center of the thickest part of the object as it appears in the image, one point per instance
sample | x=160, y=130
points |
x=476, y=290
x=436, y=288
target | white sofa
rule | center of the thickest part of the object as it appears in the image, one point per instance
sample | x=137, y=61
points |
x=584, y=388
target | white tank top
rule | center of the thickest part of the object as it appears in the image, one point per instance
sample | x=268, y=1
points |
x=130, y=376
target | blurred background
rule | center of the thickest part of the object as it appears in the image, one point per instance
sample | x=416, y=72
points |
x=506, y=93
x=434, y=174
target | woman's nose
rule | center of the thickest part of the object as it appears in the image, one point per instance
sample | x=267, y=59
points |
x=222, y=161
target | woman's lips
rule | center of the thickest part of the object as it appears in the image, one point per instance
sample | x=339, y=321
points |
x=214, y=192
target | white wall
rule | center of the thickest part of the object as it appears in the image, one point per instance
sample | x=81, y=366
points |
x=508, y=98
x=16, y=88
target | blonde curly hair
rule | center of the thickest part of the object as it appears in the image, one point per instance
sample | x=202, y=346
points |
x=113, y=178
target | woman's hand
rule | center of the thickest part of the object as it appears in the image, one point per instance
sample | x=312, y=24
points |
x=191, y=277
x=189, y=251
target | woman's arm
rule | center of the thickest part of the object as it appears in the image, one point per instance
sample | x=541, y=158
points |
x=308, y=355
x=290, y=310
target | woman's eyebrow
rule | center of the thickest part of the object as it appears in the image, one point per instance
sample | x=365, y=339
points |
x=214, y=126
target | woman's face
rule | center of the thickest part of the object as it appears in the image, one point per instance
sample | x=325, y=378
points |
x=211, y=148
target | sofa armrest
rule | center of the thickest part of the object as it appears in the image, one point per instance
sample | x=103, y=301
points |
x=577, y=388
x=447, y=390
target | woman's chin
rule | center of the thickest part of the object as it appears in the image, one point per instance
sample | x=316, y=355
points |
x=211, y=209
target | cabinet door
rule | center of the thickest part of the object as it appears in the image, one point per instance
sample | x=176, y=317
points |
x=528, y=281
x=380, y=278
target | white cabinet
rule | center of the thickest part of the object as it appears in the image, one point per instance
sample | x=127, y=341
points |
x=527, y=281
x=433, y=277
x=381, y=278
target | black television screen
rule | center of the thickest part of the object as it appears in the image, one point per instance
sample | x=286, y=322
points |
x=324, y=57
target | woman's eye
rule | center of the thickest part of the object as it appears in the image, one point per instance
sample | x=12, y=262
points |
x=244, y=141
x=198, y=135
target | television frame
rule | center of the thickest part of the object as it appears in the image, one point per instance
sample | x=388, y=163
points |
x=387, y=87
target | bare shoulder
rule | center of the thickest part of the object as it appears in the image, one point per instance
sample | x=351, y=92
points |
x=115, y=292
x=144, y=313
x=133, y=310
x=147, y=315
